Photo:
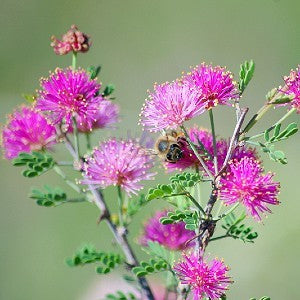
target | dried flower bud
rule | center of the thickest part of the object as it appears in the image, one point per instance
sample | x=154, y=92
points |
x=74, y=40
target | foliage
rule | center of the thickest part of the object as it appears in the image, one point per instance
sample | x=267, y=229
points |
x=246, y=74
x=136, y=204
x=191, y=219
x=153, y=266
x=94, y=71
x=36, y=163
x=120, y=296
x=236, y=230
x=186, y=179
x=262, y=298
x=87, y=255
x=277, y=136
x=109, y=89
x=52, y=197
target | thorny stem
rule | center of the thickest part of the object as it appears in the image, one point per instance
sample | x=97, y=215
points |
x=290, y=112
x=191, y=144
x=212, y=125
x=121, y=238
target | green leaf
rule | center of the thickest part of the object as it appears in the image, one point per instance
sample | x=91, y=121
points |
x=36, y=163
x=278, y=135
x=109, y=89
x=120, y=296
x=87, y=255
x=186, y=179
x=236, y=230
x=94, y=71
x=154, y=266
x=136, y=204
x=246, y=74
x=262, y=298
x=52, y=197
x=30, y=98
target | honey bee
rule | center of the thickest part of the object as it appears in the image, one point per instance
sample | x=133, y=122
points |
x=169, y=146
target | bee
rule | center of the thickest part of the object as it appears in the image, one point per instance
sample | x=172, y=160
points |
x=169, y=146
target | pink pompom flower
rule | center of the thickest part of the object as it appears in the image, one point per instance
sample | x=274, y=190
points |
x=67, y=94
x=27, y=130
x=118, y=162
x=207, y=279
x=106, y=116
x=74, y=40
x=292, y=88
x=171, y=236
x=169, y=106
x=245, y=183
x=215, y=85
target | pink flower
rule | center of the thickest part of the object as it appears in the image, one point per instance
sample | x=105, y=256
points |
x=27, y=130
x=292, y=88
x=66, y=94
x=245, y=183
x=214, y=84
x=74, y=40
x=169, y=106
x=172, y=236
x=105, y=117
x=206, y=279
x=118, y=162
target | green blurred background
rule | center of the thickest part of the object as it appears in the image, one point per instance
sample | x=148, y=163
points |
x=137, y=43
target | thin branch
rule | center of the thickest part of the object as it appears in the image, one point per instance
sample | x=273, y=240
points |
x=191, y=144
x=212, y=125
x=234, y=140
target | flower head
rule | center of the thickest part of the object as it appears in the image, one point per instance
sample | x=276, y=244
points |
x=67, y=94
x=292, y=88
x=74, y=40
x=215, y=85
x=169, y=106
x=206, y=279
x=27, y=130
x=245, y=183
x=172, y=236
x=118, y=162
x=105, y=117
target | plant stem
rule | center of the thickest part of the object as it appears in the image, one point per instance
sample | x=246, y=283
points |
x=76, y=142
x=195, y=203
x=121, y=239
x=212, y=125
x=88, y=141
x=290, y=112
x=120, y=202
x=229, y=211
x=74, y=60
x=191, y=144
x=59, y=171
x=219, y=237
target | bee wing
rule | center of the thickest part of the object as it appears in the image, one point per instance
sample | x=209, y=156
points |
x=150, y=151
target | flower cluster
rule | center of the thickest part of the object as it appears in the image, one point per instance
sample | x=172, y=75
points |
x=214, y=84
x=244, y=182
x=292, y=88
x=68, y=94
x=172, y=236
x=206, y=279
x=74, y=40
x=169, y=106
x=118, y=162
x=27, y=130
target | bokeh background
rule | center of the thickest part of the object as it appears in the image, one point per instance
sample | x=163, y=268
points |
x=139, y=42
